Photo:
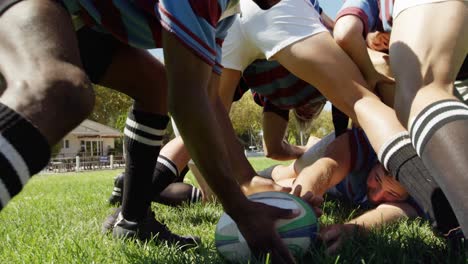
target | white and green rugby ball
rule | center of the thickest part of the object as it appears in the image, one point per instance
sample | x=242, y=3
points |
x=297, y=233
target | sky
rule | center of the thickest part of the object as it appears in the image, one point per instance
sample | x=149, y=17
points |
x=330, y=7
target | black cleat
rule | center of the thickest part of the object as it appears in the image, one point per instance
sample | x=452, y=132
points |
x=110, y=221
x=151, y=229
x=116, y=196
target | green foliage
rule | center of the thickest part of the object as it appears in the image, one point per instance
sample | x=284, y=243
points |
x=111, y=107
x=57, y=219
x=246, y=116
x=56, y=148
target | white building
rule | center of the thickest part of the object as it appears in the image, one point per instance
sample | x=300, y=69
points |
x=89, y=139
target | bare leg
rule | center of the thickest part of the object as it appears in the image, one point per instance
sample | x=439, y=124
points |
x=318, y=60
x=425, y=66
x=47, y=93
x=44, y=82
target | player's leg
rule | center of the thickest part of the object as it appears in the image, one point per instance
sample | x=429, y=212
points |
x=425, y=64
x=145, y=81
x=47, y=94
x=317, y=59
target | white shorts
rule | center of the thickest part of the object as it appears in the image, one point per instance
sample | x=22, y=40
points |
x=260, y=34
x=401, y=5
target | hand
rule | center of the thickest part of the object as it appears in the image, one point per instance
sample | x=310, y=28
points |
x=256, y=222
x=259, y=184
x=314, y=201
x=335, y=235
x=266, y=4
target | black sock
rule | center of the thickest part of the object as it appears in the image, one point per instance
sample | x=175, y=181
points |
x=182, y=174
x=438, y=134
x=401, y=160
x=23, y=152
x=178, y=193
x=164, y=174
x=143, y=139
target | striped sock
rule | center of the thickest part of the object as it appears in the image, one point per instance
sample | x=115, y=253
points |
x=23, y=152
x=400, y=159
x=143, y=139
x=438, y=134
x=165, y=173
x=179, y=193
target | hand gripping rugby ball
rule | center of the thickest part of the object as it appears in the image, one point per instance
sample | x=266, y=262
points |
x=297, y=233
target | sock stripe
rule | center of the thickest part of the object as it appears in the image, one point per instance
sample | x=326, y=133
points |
x=196, y=194
x=9, y=178
x=141, y=139
x=15, y=159
x=430, y=115
x=437, y=123
x=428, y=112
x=153, y=131
x=168, y=164
x=4, y=194
x=143, y=134
x=435, y=118
x=400, y=144
x=192, y=196
x=390, y=146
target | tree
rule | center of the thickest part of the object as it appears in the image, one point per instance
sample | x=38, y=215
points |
x=319, y=127
x=246, y=118
x=111, y=107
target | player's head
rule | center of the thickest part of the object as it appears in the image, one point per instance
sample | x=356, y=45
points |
x=382, y=187
x=307, y=112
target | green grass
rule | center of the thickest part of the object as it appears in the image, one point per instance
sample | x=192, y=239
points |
x=57, y=219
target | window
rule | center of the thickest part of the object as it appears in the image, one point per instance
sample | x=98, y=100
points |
x=66, y=143
x=92, y=147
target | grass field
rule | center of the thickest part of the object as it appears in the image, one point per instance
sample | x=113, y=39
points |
x=57, y=219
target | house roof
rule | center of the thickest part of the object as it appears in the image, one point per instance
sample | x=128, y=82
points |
x=89, y=128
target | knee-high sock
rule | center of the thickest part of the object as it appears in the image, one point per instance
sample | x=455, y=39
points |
x=23, y=152
x=165, y=173
x=178, y=193
x=399, y=157
x=143, y=139
x=439, y=134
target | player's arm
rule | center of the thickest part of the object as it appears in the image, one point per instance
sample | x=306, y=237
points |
x=228, y=84
x=327, y=171
x=274, y=144
x=387, y=213
x=244, y=172
x=348, y=33
x=384, y=214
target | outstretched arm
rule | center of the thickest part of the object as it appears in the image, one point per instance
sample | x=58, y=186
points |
x=329, y=170
x=387, y=213
x=188, y=79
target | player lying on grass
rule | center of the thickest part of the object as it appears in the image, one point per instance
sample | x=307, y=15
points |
x=349, y=169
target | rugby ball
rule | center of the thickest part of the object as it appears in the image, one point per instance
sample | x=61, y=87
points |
x=297, y=233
